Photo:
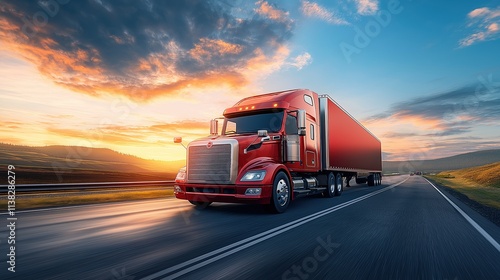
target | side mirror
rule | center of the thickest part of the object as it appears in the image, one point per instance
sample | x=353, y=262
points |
x=262, y=133
x=301, y=122
x=178, y=140
x=214, y=127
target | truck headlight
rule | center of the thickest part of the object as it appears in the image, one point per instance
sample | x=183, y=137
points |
x=181, y=176
x=254, y=176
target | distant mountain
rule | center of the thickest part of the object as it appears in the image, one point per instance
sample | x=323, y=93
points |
x=461, y=161
x=75, y=157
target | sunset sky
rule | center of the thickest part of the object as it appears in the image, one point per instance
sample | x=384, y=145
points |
x=424, y=76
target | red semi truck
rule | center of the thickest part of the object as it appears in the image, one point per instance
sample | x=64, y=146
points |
x=276, y=147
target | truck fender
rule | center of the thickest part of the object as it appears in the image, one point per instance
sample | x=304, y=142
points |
x=269, y=165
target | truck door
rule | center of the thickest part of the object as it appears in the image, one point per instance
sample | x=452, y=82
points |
x=311, y=144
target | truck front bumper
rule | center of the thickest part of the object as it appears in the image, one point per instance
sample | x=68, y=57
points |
x=223, y=193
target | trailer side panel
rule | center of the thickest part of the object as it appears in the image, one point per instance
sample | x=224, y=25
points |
x=346, y=144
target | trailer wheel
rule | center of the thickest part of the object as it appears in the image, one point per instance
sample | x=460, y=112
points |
x=339, y=184
x=371, y=180
x=330, y=188
x=200, y=204
x=379, y=179
x=281, y=193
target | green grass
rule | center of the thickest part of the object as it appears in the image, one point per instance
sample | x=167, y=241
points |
x=481, y=184
x=79, y=199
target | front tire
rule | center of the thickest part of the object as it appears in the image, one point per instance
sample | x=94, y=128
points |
x=280, y=193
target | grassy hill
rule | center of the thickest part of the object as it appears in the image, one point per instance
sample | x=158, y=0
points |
x=486, y=175
x=481, y=183
x=448, y=163
x=53, y=164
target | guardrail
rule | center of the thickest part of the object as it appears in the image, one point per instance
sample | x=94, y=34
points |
x=83, y=186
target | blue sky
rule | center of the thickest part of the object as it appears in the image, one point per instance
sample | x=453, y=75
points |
x=424, y=76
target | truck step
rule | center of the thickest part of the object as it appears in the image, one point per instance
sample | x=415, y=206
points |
x=306, y=192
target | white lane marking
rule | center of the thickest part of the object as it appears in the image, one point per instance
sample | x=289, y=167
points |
x=469, y=219
x=253, y=240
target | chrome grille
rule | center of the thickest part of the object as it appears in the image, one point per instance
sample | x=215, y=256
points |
x=209, y=165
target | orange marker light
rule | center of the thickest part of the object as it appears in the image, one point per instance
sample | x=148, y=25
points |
x=253, y=107
x=240, y=109
x=275, y=105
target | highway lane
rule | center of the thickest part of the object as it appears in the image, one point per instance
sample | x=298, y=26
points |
x=408, y=231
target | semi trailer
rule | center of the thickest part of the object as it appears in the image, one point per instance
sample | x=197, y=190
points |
x=276, y=147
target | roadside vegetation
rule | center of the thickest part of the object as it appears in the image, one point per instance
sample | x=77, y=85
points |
x=481, y=184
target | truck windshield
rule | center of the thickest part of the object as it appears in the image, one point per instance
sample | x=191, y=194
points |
x=252, y=123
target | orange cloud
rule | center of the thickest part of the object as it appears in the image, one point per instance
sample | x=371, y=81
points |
x=269, y=11
x=207, y=48
x=136, y=134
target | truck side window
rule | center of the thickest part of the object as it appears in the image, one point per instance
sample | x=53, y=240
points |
x=291, y=125
x=230, y=127
x=308, y=99
x=312, y=132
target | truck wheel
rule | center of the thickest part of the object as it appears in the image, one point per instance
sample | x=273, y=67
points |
x=339, y=186
x=200, y=204
x=371, y=180
x=379, y=179
x=281, y=193
x=330, y=188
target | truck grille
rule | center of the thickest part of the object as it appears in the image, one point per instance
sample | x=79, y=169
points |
x=209, y=165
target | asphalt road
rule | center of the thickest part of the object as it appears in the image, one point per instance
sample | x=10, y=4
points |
x=405, y=231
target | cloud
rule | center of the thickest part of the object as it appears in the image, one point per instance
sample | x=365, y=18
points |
x=135, y=135
x=485, y=22
x=271, y=12
x=301, y=60
x=144, y=49
x=440, y=124
x=451, y=111
x=314, y=10
x=367, y=7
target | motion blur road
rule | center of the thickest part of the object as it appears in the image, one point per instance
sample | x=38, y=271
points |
x=405, y=231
